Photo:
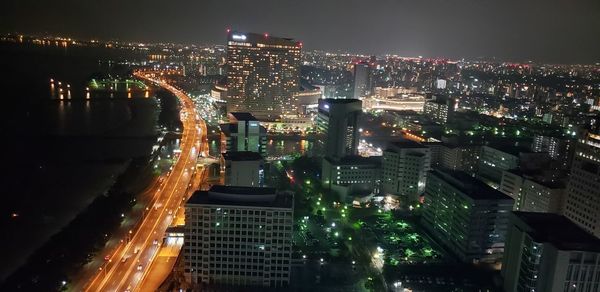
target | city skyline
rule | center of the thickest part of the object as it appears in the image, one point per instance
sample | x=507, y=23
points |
x=511, y=30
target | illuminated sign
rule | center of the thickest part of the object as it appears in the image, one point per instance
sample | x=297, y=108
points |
x=239, y=37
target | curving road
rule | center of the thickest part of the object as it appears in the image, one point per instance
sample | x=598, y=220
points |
x=127, y=267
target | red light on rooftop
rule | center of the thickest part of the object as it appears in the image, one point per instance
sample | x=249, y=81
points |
x=266, y=35
x=228, y=30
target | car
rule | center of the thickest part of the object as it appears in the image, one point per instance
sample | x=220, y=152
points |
x=155, y=242
x=136, y=251
x=124, y=259
x=139, y=267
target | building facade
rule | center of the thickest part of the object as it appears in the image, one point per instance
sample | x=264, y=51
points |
x=362, y=80
x=547, y=252
x=239, y=236
x=404, y=169
x=262, y=74
x=352, y=175
x=337, y=124
x=243, y=168
x=583, y=191
x=243, y=133
x=466, y=215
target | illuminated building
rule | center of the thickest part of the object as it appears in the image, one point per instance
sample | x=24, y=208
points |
x=439, y=109
x=469, y=217
x=404, y=168
x=547, y=252
x=464, y=158
x=262, y=74
x=243, y=168
x=362, y=80
x=560, y=149
x=535, y=192
x=496, y=159
x=583, y=191
x=243, y=133
x=337, y=122
x=238, y=236
x=352, y=175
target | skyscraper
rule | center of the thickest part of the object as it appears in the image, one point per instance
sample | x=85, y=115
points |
x=262, y=74
x=239, y=236
x=583, y=191
x=362, y=80
x=337, y=122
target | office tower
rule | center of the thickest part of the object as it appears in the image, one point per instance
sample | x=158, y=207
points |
x=439, y=109
x=352, y=175
x=262, y=74
x=547, y=252
x=466, y=215
x=538, y=191
x=404, y=168
x=583, y=191
x=243, y=168
x=337, y=123
x=243, y=133
x=362, y=80
x=238, y=236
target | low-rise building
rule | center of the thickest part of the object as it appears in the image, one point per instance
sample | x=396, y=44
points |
x=352, y=175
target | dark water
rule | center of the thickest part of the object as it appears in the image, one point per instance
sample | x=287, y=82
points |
x=58, y=155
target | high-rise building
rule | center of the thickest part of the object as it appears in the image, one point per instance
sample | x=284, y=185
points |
x=238, y=236
x=558, y=148
x=337, y=123
x=439, y=109
x=498, y=158
x=547, y=252
x=243, y=133
x=404, y=168
x=262, y=74
x=243, y=168
x=464, y=157
x=466, y=215
x=583, y=191
x=362, y=80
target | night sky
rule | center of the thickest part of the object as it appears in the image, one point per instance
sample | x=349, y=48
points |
x=558, y=31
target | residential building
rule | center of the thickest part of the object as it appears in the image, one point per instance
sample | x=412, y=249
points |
x=362, y=80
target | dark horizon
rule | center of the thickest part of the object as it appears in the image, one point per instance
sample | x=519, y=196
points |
x=552, y=31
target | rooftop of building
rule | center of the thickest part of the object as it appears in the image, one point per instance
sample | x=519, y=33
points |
x=470, y=186
x=510, y=149
x=355, y=160
x=550, y=178
x=250, y=37
x=242, y=196
x=242, y=156
x=242, y=116
x=227, y=129
x=340, y=100
x=405, y=143
x=559, y=231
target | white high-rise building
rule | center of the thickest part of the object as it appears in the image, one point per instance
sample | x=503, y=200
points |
x=405, y=166
x=239, y=236
x=583, y=191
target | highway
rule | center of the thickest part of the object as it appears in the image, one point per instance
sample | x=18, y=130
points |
x=127, y=267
